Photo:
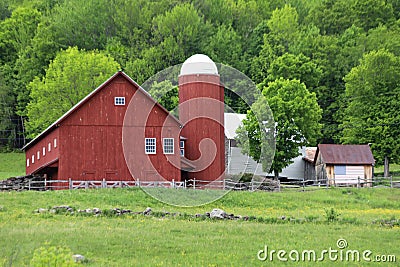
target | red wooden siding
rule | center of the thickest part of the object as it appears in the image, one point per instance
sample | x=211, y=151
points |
x=44, y=160
x=91, y=136
x=145, y=119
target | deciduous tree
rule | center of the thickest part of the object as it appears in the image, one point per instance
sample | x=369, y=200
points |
x=71, y=76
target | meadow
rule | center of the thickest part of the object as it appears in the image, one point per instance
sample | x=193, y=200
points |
x=367, y=218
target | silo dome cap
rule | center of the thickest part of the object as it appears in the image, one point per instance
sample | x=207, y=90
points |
x=199, y=64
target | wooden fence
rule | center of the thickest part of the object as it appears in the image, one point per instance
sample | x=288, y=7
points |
x=226, y=184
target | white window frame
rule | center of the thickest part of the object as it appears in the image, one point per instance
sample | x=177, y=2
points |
x=38, y=155
x=55, y=142
x=33, y=159
x=44, y=151
x=27, y=163
x=150, y=146
x=182, y=147
x=168, y=148
x=119, y=101
x=49, y=147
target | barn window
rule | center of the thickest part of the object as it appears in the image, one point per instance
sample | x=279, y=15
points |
x=119, y=101
x=38, y=155
x=44, y=151
x=150, y=145
x=49, y=147
x=182, y=147
x=55, y=142
x=33, y=159
x=27, y=163
x=340, y=169
x=168, y=145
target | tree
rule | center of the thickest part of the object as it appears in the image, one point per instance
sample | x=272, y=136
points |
x=181, y=27
x=225, y=46
x=298, y=67
x=372, y=114
x=284, y=29
x=70, y=76
x=165, y=94
x=296, y=114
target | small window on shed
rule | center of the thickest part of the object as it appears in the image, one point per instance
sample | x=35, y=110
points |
x=38, y=155
x=150, y=145
x=55, y=142
x=33, y=159
x=49, y=147
x=119, y=101
x=27, y=163
x=44, y=151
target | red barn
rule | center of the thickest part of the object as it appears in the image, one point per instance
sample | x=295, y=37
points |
x=119, y=132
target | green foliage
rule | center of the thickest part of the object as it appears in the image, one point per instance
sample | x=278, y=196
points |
x=331, y=215
x=296, y=114
x=317, y=42
x=71, y=76
x=52, y=256
x=165, y=93
x=373, y=111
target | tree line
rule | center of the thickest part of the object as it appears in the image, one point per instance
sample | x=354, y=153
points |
x=343, y=52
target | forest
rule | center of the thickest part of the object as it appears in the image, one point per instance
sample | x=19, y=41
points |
x=346, y=53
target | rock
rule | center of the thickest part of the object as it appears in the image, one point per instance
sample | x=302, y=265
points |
x=147, y=211
x=78, y=258
x=218, y=213
x=96, y=211
x=40, y=210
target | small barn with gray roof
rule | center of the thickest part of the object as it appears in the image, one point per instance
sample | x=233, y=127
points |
x=344, y=164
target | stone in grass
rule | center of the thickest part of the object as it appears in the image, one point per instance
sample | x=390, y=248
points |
x=218, y=213
x=41, y=210
x=78, y=258
x=147, y=211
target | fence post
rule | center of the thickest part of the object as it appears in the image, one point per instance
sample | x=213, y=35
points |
x=358, y=182
x=29, y=184
x=173, y=183
x=184, y=184
x=223, y=184
x=304, y=184
x=391, y=181
x=138, y=182
x=194, y=183
x=70, y=183
x=104, y=184
x=45, y=183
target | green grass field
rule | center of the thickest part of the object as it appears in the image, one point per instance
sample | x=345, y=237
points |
x=11, y=165
x=138, y=240
x=368, y=219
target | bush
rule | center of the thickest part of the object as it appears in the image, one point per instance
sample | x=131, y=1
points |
x=52, y=256
x=331, y=215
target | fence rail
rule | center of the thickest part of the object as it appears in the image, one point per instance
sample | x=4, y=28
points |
x=226, y=184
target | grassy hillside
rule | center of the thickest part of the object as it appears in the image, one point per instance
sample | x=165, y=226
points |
x=366, y=218
x=12, y=164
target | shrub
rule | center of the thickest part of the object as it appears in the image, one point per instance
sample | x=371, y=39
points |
x=331, y=215
x=52, y=256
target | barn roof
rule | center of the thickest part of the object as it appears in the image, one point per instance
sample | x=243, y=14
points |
x=345, y=154
x=89, y=96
